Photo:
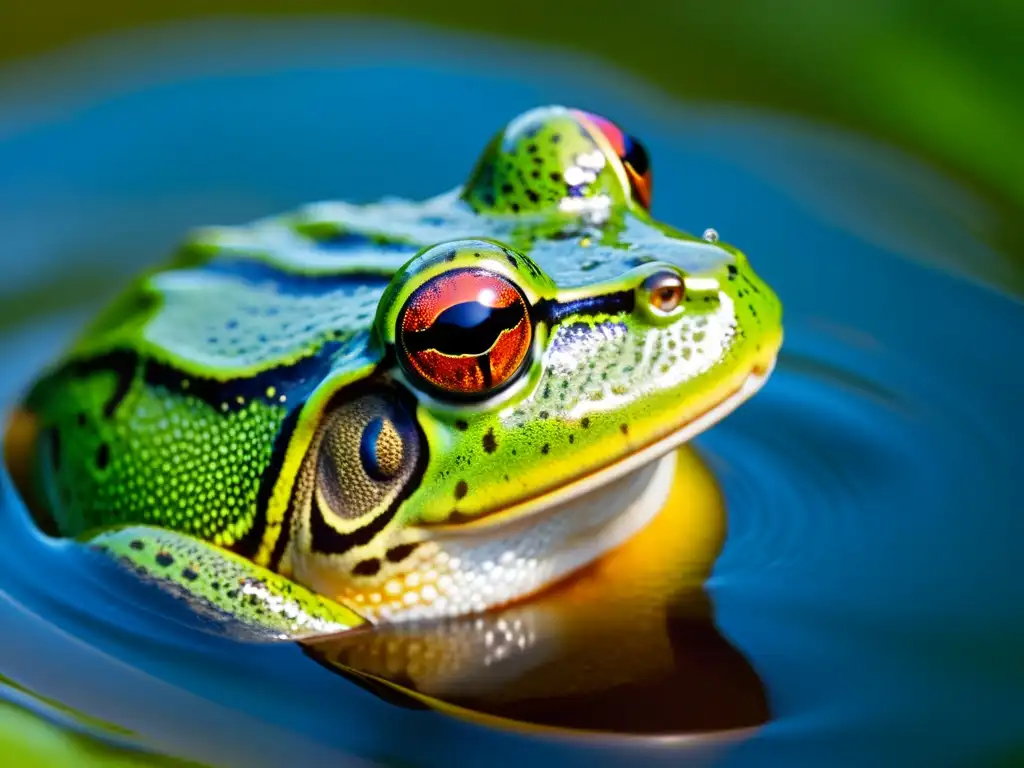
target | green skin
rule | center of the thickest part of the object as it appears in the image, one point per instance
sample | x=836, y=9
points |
x=187, y=430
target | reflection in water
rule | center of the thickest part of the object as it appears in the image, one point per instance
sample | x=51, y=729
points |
x=629, y=644
x=871, y=570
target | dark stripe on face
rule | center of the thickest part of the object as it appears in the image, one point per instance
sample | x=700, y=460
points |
x=620, y=302
x=249, y=544
x=294, y=381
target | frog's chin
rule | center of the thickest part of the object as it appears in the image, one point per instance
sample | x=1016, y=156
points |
x=456, y=575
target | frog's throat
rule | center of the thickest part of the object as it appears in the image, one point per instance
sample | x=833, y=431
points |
x=504, y=564
x=584, y=486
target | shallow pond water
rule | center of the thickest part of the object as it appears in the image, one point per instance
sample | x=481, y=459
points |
x=869, y=585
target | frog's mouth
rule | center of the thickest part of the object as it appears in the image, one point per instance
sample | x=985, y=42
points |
x=564, y=496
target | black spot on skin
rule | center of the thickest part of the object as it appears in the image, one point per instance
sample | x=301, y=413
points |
x=231, y=325
x=215, y=585
x=572, y=439
x=461, y=489
x=461, y=425
x=545, y=448
x=137, y=544
x=506, y=478
x=535, y=173
x=367, y=567
x=189, y=574
x=164, y=559
x=232, y=594
x=103, y=456
x=624, y=428
x=512, y=260
x=732, y=271
x=506, y=188
x=490, y=444
x=585, y=422
x=555, y=176
x=534, y=197
x=514, y=207
x=399, y=553
x=81, y=419
x=532, y=148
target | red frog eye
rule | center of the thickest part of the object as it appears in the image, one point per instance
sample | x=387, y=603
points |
x=631, y=152
x=465, y=332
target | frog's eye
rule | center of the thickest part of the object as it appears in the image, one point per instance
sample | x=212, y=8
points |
x=466, y=332
x=631, y=152
x=664, y=291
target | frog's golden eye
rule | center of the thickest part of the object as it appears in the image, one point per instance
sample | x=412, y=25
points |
x=664, y=291
x=465, y=332
x=631, y=152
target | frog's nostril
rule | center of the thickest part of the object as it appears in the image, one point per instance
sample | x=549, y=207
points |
x=664, y=291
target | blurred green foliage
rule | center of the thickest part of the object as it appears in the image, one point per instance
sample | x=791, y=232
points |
x=27, y=741
x=941, y=79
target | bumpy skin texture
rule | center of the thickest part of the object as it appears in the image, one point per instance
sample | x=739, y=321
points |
x=196, y=404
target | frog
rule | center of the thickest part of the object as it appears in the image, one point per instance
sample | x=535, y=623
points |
x=351, y=415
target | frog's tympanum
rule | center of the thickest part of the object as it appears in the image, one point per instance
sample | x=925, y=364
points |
x=363, y=414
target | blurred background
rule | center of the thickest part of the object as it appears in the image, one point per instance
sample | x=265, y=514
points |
x=940, y=79
x=865, y=154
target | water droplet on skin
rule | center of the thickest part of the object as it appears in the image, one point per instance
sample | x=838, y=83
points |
x=711, y=235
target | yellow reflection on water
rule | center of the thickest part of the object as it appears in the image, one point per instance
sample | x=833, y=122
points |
x=627, y=645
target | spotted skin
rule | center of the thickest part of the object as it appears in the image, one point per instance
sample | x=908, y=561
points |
x=266, y=605
x=318, y=396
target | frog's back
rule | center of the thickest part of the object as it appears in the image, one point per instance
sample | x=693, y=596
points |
x=174, y=408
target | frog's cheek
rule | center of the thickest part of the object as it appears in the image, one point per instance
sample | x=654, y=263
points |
x=366, y=458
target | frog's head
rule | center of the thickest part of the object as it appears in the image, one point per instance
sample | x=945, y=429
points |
x=523, y=419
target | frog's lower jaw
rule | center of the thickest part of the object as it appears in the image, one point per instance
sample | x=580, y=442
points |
x=455, y=573
x=469, y=568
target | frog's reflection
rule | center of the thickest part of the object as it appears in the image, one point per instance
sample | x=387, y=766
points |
x=627, y=645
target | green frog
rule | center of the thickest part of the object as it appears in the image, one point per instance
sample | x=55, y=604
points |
x=351, y=415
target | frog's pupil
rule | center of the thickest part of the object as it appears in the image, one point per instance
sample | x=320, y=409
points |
x=636, y=155
x=467, y=328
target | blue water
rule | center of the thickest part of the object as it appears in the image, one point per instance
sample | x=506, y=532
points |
x=871, y=572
